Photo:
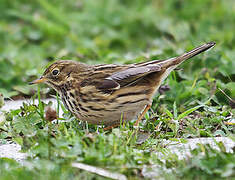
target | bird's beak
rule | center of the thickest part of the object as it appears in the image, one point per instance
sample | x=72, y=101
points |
x=42, y=79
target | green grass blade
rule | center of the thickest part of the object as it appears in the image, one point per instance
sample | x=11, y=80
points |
x=169, y=113
x=187, y=112
x=40, y=105
x=175, y=110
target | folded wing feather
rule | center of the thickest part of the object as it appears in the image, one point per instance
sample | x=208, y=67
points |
x=127, y=76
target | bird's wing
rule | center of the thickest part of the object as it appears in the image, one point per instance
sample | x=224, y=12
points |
x=125, y=77
x=133, y=73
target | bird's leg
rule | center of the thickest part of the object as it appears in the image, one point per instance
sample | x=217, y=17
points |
x=111, y=127
x=115, y=125
x=137, y=121
x=142, y=114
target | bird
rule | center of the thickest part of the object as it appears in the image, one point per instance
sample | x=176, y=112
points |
x=107, y=94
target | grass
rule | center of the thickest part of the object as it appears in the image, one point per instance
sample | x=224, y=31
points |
x=34, y=34
x=52, y=147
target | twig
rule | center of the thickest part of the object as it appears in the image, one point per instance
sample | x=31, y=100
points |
x=99, y=171
x=227, y=96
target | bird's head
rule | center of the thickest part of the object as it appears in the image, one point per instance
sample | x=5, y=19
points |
x=59, y=72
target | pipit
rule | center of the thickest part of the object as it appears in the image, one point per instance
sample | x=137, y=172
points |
x=107, y=93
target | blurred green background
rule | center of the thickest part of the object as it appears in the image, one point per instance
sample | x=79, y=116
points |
x=34, y=33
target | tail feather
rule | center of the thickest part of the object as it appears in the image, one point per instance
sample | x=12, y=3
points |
x=178, y=60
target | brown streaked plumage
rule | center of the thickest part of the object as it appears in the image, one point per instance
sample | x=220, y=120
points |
x=105, y=94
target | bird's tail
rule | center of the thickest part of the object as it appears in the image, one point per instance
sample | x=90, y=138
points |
x=178, y=60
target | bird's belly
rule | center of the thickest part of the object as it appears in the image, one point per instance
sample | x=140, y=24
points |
x=112, y=116
x=120, y=106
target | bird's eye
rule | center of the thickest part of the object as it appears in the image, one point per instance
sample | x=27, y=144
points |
x=55, y=72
